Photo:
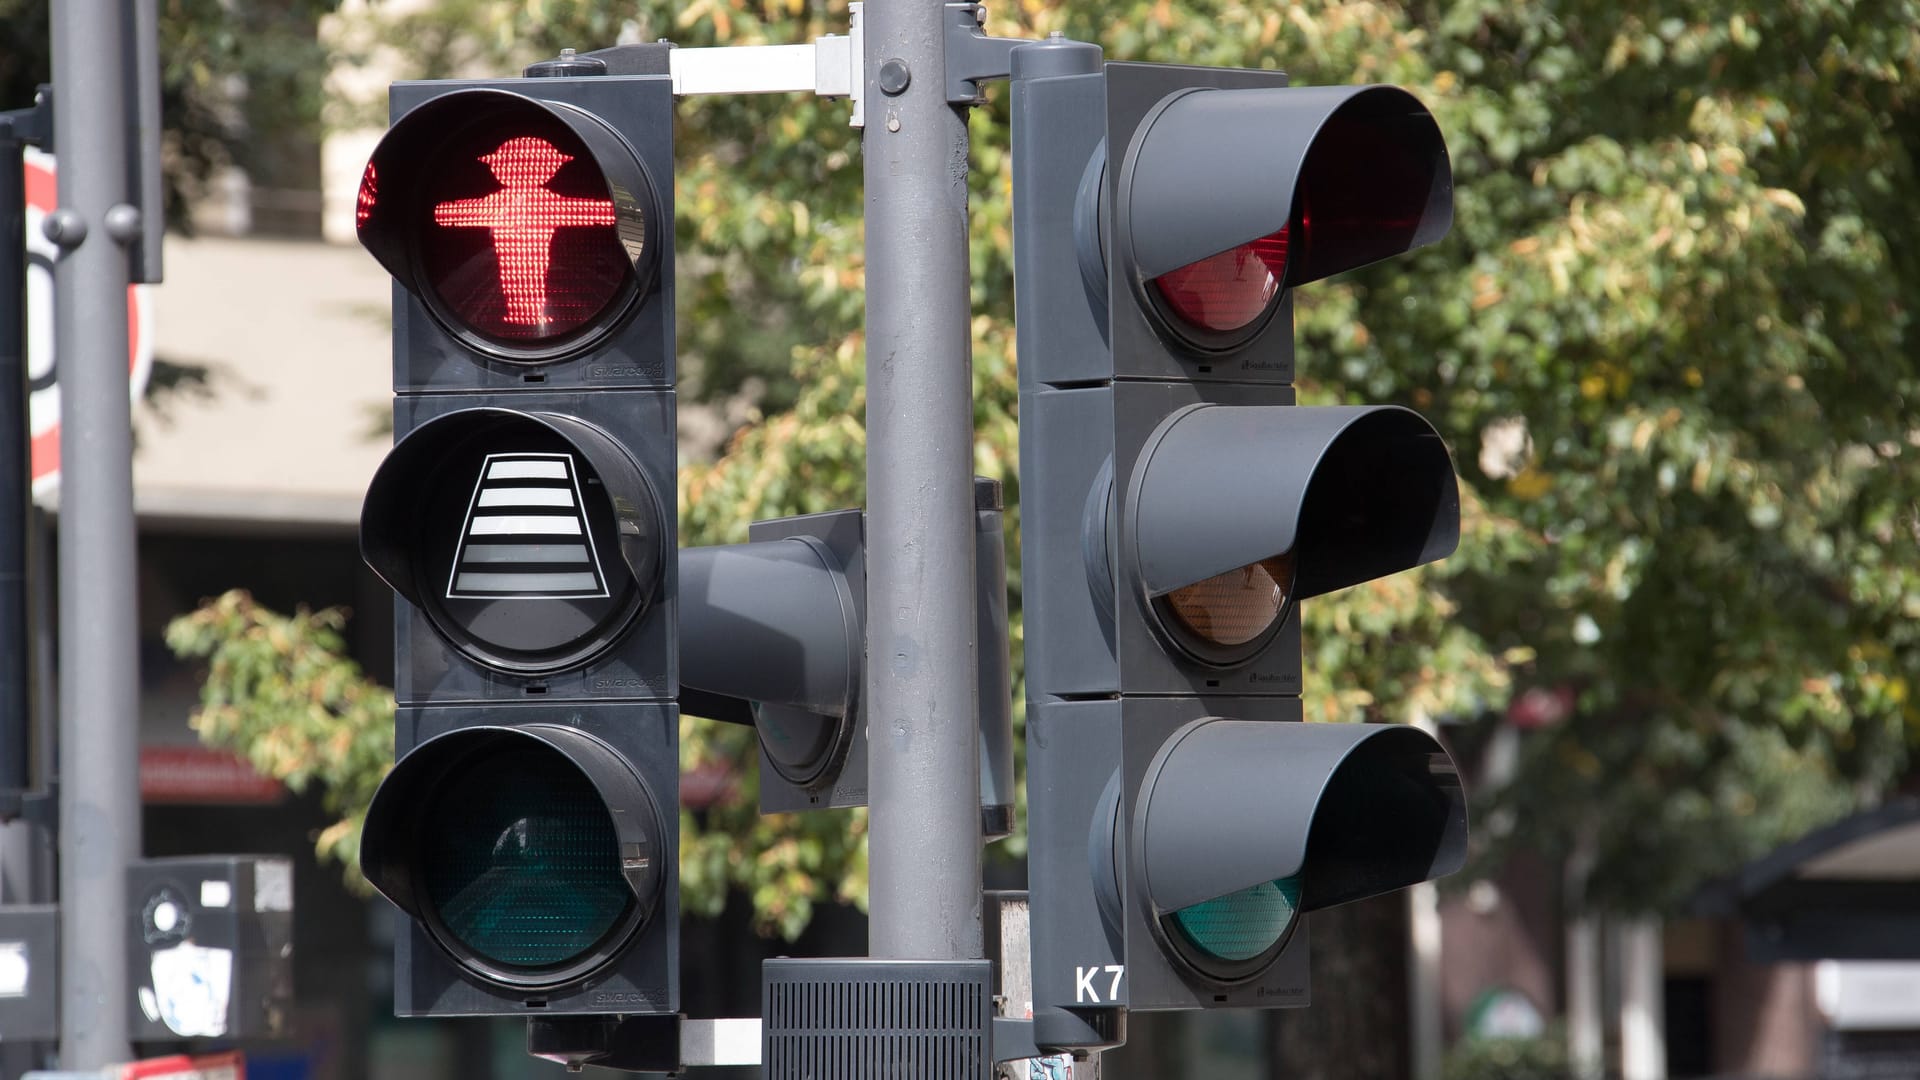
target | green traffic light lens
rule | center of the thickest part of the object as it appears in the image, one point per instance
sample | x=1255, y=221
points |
x=1243, y=926
x=522, y=867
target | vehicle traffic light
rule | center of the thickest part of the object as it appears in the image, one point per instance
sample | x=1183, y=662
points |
x=1177, y=506
x=526, y=518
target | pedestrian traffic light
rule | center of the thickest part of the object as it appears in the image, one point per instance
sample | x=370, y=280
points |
x=1177, y=506
x=526, y=520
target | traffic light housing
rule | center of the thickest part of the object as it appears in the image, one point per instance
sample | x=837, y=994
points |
x=1177, y=506
x=526, y=520
x=773, y=634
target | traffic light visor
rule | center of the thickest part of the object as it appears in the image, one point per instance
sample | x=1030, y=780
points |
x=1236, y=512
x=1229, y=197
x=531, y=541
x=1240, y=822
x=526, y=227
x=529, y=854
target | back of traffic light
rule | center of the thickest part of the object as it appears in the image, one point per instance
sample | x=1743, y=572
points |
x=773, y=634
x=526, y=520
x=1176, y=508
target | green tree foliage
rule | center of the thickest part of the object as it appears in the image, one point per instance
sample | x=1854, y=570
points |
x=1480, y=1057
x=1667, y=340
x=240, y=83
x=281, y=693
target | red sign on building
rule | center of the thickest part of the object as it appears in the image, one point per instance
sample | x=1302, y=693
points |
x=201, y=774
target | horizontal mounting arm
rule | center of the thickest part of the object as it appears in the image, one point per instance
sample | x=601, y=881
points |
x=829, y=67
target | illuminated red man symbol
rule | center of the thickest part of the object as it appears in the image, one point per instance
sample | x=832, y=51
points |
x=523, y=215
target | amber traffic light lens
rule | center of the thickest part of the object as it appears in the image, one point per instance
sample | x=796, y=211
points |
x=1236, y=607
x=1230, y=291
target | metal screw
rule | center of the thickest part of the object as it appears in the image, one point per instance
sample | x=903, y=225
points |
x=65, y=228
x=123, y=223
x=894, y=76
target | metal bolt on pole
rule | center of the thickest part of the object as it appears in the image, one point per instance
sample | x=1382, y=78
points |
x=99, y=754
x=921, y=687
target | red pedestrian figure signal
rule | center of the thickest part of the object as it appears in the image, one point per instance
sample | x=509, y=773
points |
x=523, y=215
x=527, y=230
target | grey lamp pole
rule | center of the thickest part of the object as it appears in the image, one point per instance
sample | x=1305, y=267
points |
x=924, y=766
x=99, y=667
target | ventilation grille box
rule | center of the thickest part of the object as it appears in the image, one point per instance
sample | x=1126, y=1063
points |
x=877, y=1019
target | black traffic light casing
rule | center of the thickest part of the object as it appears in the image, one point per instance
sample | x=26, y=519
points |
x=526, y=519
x=1176, y=507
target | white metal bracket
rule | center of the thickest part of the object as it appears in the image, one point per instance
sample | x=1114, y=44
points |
x=830, y=67
x=729, y=1041
x=834, y=66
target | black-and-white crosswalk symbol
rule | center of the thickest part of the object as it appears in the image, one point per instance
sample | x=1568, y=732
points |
x=526, y=535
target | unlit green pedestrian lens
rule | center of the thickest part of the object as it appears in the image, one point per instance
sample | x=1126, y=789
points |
x=524, y=866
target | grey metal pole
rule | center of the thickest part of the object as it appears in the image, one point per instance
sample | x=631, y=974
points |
x=924, y=769
x=99, y=748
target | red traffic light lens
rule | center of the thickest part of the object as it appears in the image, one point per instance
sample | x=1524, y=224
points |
x=518, y=239
x=1227, y=292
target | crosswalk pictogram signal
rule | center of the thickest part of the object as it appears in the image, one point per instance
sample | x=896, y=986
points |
x=526, y=533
